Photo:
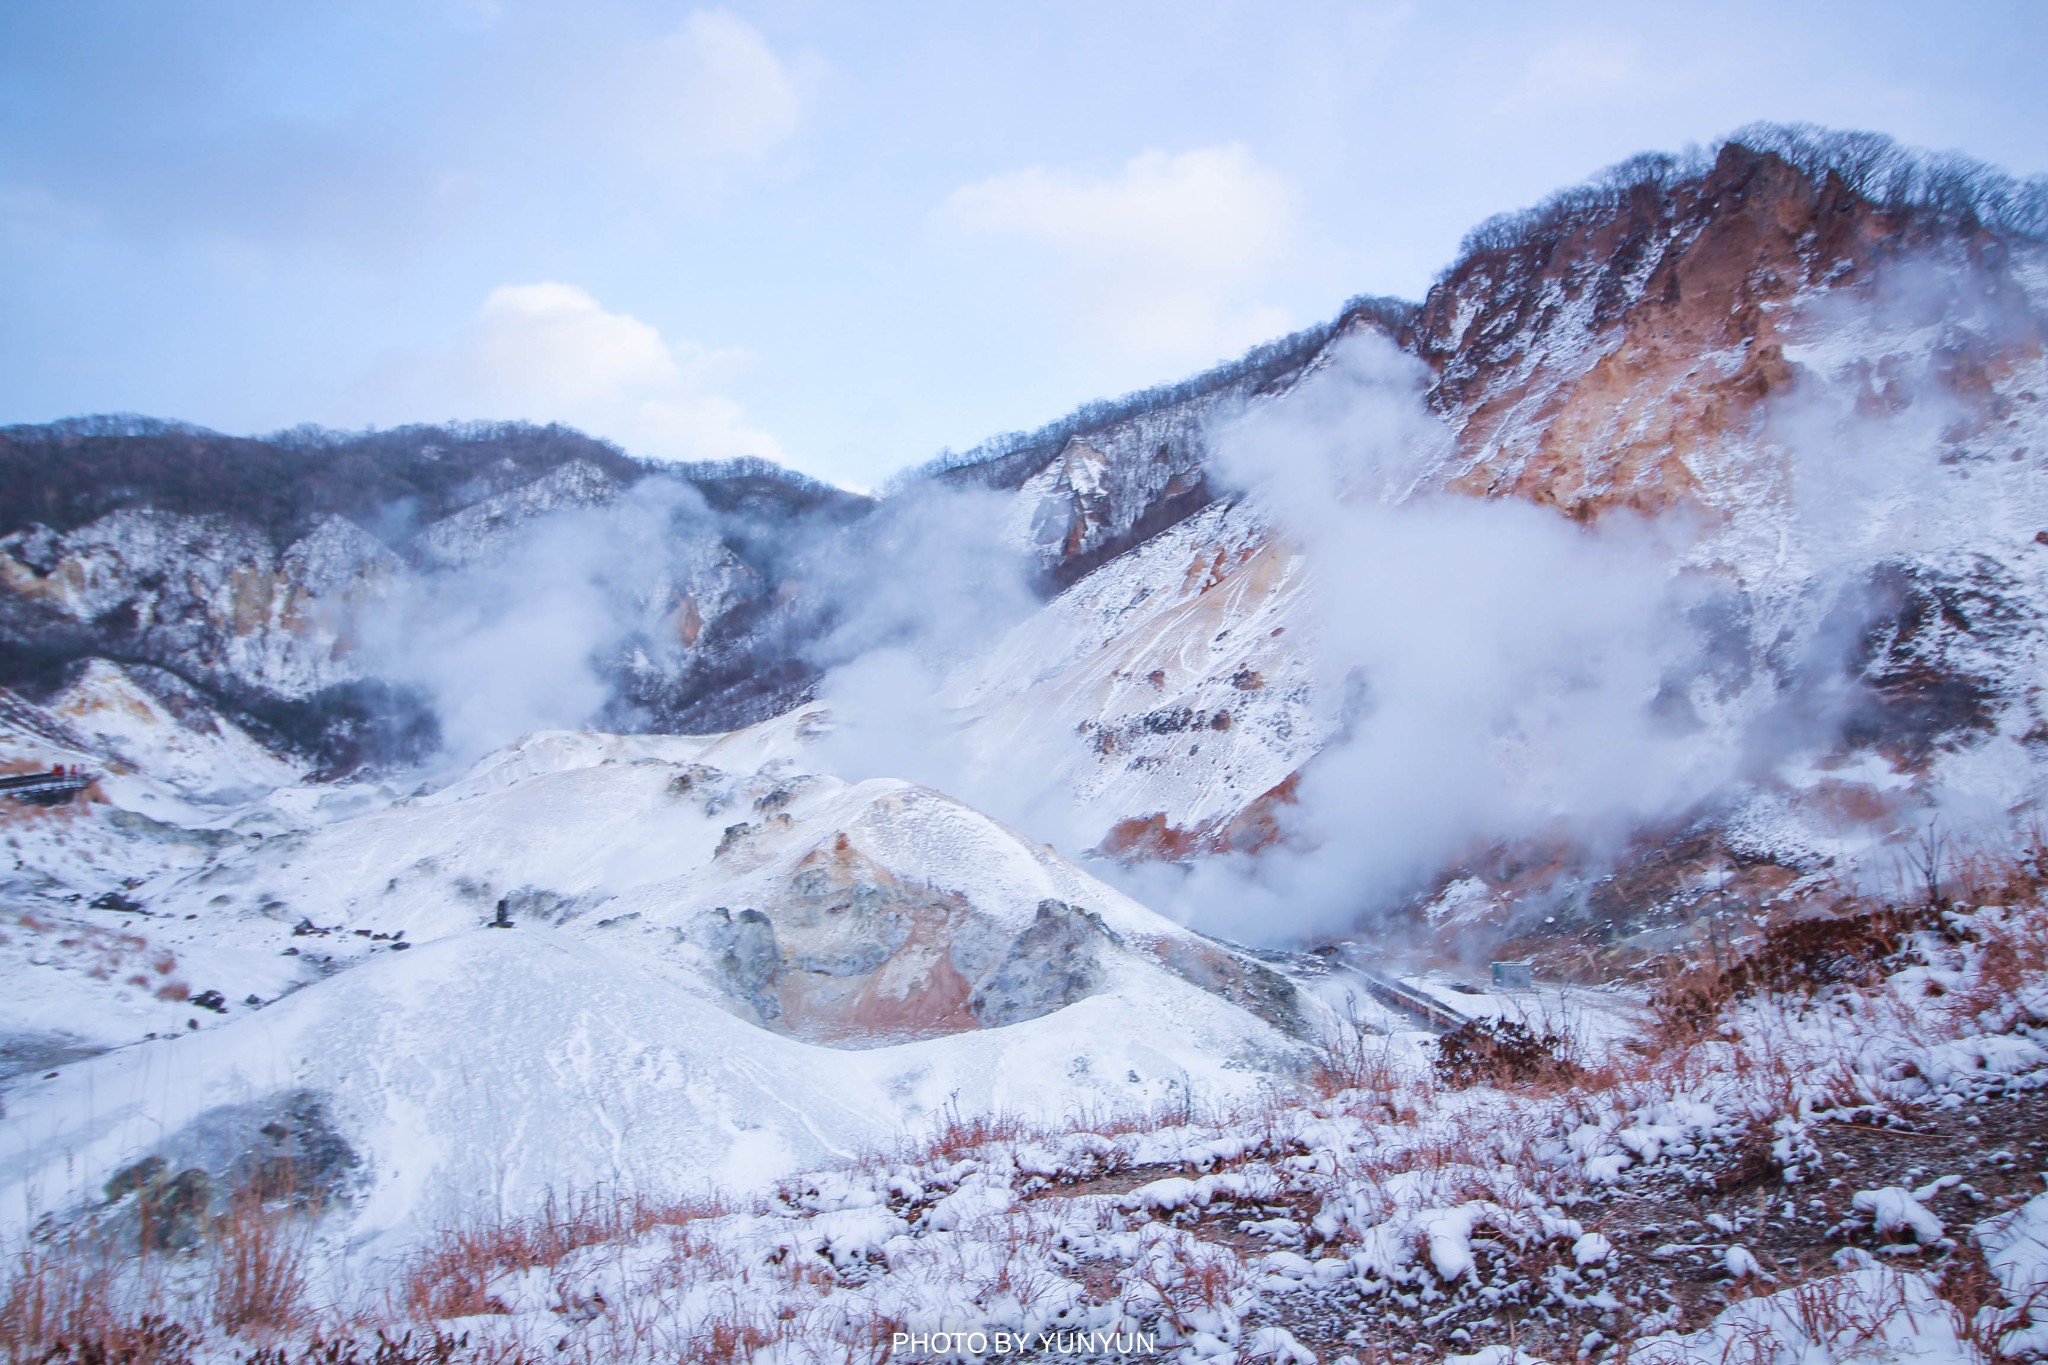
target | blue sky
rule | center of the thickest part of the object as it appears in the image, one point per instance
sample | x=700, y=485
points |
x=840, y=235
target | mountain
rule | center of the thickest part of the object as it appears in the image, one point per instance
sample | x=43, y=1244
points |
x=479, y=809
x=260, y=569
x=1815, y=362
x=886, y=952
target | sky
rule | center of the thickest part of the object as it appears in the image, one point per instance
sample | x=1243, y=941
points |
x=841, y=236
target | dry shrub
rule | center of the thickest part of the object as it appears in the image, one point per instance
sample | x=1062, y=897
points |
x=958, y=1135
x=728, y=1338
x=431, y=1348
x=259, y=1266
x=1348, y=1058
x=64, y=1303
x=1502, y=1052
x=1840, y=949
x=1754, y=1159
x=2003, y=878
x=450, y=1278
x=1839, y=1311
x=1185, y=1278
x=2012, y=950
x=1123, y=1120
x=149, y=1340
x=1984, y=1318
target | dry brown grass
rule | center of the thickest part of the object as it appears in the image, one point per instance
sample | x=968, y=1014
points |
x=2012, y=944
x=259, y=1253
x=1348, y=1058
x=451, y=1277
x=74, y=1301
x=1846, y=946
x=1185, y=1278
x=1985, y=1319
x=957, y=1135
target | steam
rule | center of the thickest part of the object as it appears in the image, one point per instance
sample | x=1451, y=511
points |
x=1490, y=671
x=918, y=593
x=514, y=640
x=1494, y=675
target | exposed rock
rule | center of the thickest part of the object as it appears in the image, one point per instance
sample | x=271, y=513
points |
x=284, y=1151
x=544, y=906
x=747, y=956
x=250, y=568
x=1055, y=962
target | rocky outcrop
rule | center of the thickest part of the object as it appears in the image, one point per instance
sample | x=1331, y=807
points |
x=851, y=953
x=1049, y=966
x=1623, y=358
x=284, y=1151
x=1820, y=359
x=1112, y=475
x=204, y=595
x=909, y=920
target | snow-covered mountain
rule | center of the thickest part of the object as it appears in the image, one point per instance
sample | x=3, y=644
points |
x=489, y=814
x=675, y=960
x=295, y=578
x=1797, y=400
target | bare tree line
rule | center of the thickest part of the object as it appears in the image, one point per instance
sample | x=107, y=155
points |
x=1957, y=191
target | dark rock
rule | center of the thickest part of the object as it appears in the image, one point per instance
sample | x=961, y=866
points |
x=1053, y=963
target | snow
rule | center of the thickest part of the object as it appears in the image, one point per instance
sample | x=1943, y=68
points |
x=2016, y=1248
x=595, y=1045
x=478, y=1073
x=612, y=1039
x=1876, y=1315
x=1212, y=608
x=194, y=750
x=1893, y=1210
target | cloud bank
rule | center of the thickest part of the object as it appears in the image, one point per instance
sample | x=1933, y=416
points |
x=549, y=352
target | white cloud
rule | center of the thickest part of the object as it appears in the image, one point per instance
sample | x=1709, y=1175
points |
x=549, y=352
x=710, y=89
x=1162, y=257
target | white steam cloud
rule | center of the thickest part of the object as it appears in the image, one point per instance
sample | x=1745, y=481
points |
x=1491, y=672
x=917, y=594
x=515, y=640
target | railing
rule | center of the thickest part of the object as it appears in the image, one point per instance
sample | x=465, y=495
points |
x=1401, y=996
x=45, y=789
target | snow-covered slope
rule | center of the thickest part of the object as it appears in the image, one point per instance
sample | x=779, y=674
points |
x=1686, y=544
x=588, y=959
x=1174, y=686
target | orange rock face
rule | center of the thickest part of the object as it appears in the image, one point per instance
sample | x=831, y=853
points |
x=1258, y=826
x=1620, y=363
